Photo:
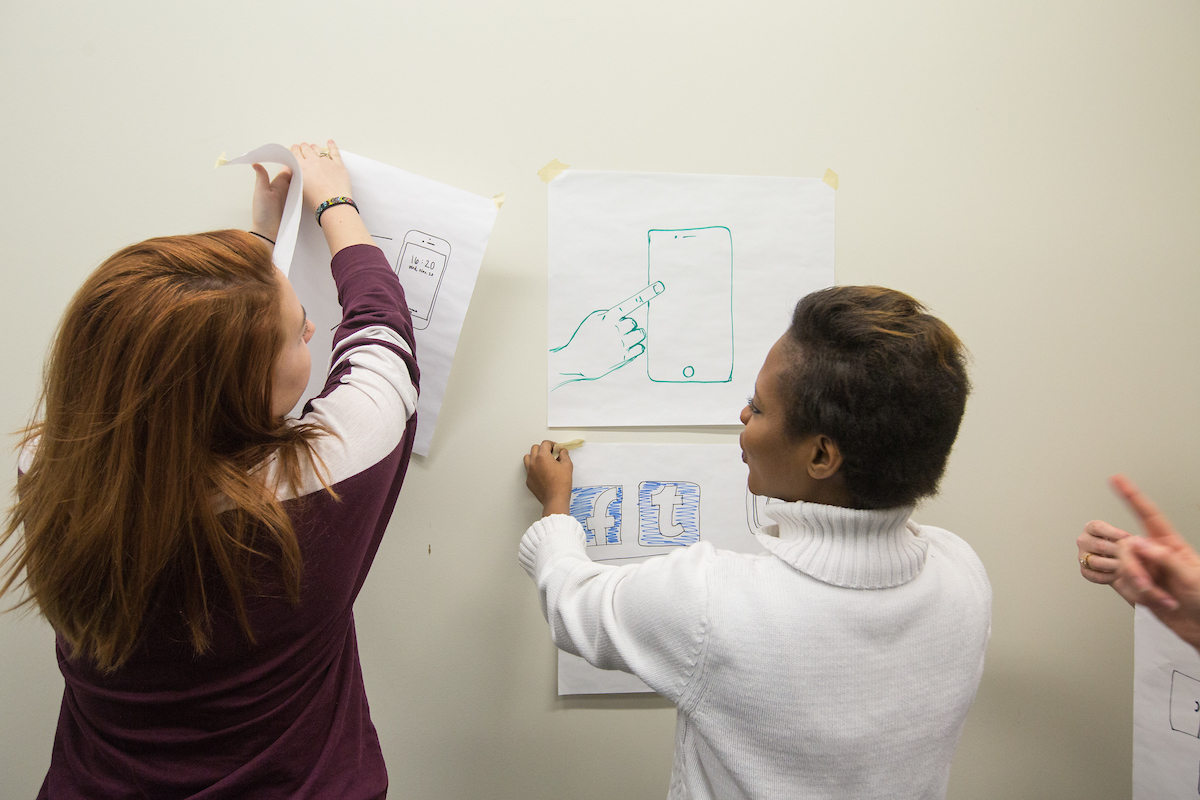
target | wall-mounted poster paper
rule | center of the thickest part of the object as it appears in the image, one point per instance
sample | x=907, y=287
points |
x=1166, y=712
x=433, y=235
x=667, y=291
x=639, y=501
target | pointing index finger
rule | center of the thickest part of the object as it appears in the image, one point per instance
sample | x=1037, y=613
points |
x=1145, y=509
x=638, y=300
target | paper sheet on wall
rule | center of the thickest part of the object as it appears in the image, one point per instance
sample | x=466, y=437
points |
x=639, y=501
x=1166, y=712
x=433, y=235
x=706, y=267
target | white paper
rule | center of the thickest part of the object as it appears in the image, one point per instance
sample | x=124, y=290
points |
x=289, y=225
x=638, y=501
x=433, y=235
x=706, y=267
x=1166, y=712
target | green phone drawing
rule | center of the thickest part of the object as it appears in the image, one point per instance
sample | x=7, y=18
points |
x=689, y=330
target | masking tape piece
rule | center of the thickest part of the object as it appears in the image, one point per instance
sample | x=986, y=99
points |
x=831, y=178
x=221, y=160
x=558, y=447
x=552, y=170
x=498, y=199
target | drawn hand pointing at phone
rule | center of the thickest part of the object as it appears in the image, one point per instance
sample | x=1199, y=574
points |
x=605, y=340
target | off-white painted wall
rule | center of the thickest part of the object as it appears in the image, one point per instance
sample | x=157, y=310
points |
x=1028, y=169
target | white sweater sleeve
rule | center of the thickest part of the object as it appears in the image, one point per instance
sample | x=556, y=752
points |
x=649, y=618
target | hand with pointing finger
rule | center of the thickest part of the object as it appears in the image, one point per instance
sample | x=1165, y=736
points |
x=606, y=340
x=1159, y=570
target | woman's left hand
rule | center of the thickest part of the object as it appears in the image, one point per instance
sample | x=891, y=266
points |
x=1098, y=547
x=1098, y=551
x=269, y=197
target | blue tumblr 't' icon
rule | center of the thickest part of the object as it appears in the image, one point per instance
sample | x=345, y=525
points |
x=668, y=513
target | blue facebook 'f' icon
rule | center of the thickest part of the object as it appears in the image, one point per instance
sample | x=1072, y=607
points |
x=598, y=509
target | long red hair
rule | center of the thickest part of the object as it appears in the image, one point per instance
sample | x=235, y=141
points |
x=155, y=428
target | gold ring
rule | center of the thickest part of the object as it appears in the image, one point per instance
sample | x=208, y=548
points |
x=1085, y=561
x=324, y=154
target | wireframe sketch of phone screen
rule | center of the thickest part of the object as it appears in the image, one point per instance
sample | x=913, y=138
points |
x=689, y=327
x=420, y=268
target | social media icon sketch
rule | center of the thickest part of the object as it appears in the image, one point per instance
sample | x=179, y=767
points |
x=689, y=329
x=668, y=513
x=756, y=505
x=1185, y=704
x=599, y=511
x=420, y=267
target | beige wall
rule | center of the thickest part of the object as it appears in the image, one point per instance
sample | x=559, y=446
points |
x=1028, y=169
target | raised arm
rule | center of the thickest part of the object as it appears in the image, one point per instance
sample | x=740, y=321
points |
x=370, y=396
x=647, y=619
x=325, y=178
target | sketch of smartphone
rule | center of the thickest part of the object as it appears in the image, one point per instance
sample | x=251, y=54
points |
x=689, y=327
x=756, y=506
x=420, y=267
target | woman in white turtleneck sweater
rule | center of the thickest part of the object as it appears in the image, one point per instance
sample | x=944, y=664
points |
x=841, y=663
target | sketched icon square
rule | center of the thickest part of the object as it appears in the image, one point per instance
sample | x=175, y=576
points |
x=668, y=513
x=598, y=509
x=1185, y=704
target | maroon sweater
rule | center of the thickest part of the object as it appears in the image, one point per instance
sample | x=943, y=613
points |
x=286, y=717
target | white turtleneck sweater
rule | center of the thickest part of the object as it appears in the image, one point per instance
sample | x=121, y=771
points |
x=839, y=664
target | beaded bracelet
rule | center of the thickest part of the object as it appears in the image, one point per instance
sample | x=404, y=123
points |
x=331, y=202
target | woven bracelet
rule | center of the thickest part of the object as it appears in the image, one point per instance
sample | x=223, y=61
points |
x=331, y=202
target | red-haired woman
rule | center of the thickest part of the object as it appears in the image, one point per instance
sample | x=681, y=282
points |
x=198, y=552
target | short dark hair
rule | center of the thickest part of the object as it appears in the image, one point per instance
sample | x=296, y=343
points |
x=886, y=380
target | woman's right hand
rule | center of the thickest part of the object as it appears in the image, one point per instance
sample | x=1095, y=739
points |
x=325, y=176
x=548, y=477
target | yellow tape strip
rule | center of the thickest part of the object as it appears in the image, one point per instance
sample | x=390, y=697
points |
x=558, y=447
x=831, y=178
x=552, y=170
x=498, y=199
x=221, y=160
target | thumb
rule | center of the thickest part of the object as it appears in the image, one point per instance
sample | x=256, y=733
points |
x=261, y=179
x=1142, y=556
x=282, y=180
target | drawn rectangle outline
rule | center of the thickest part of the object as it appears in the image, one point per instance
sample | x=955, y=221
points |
x=668, y=297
